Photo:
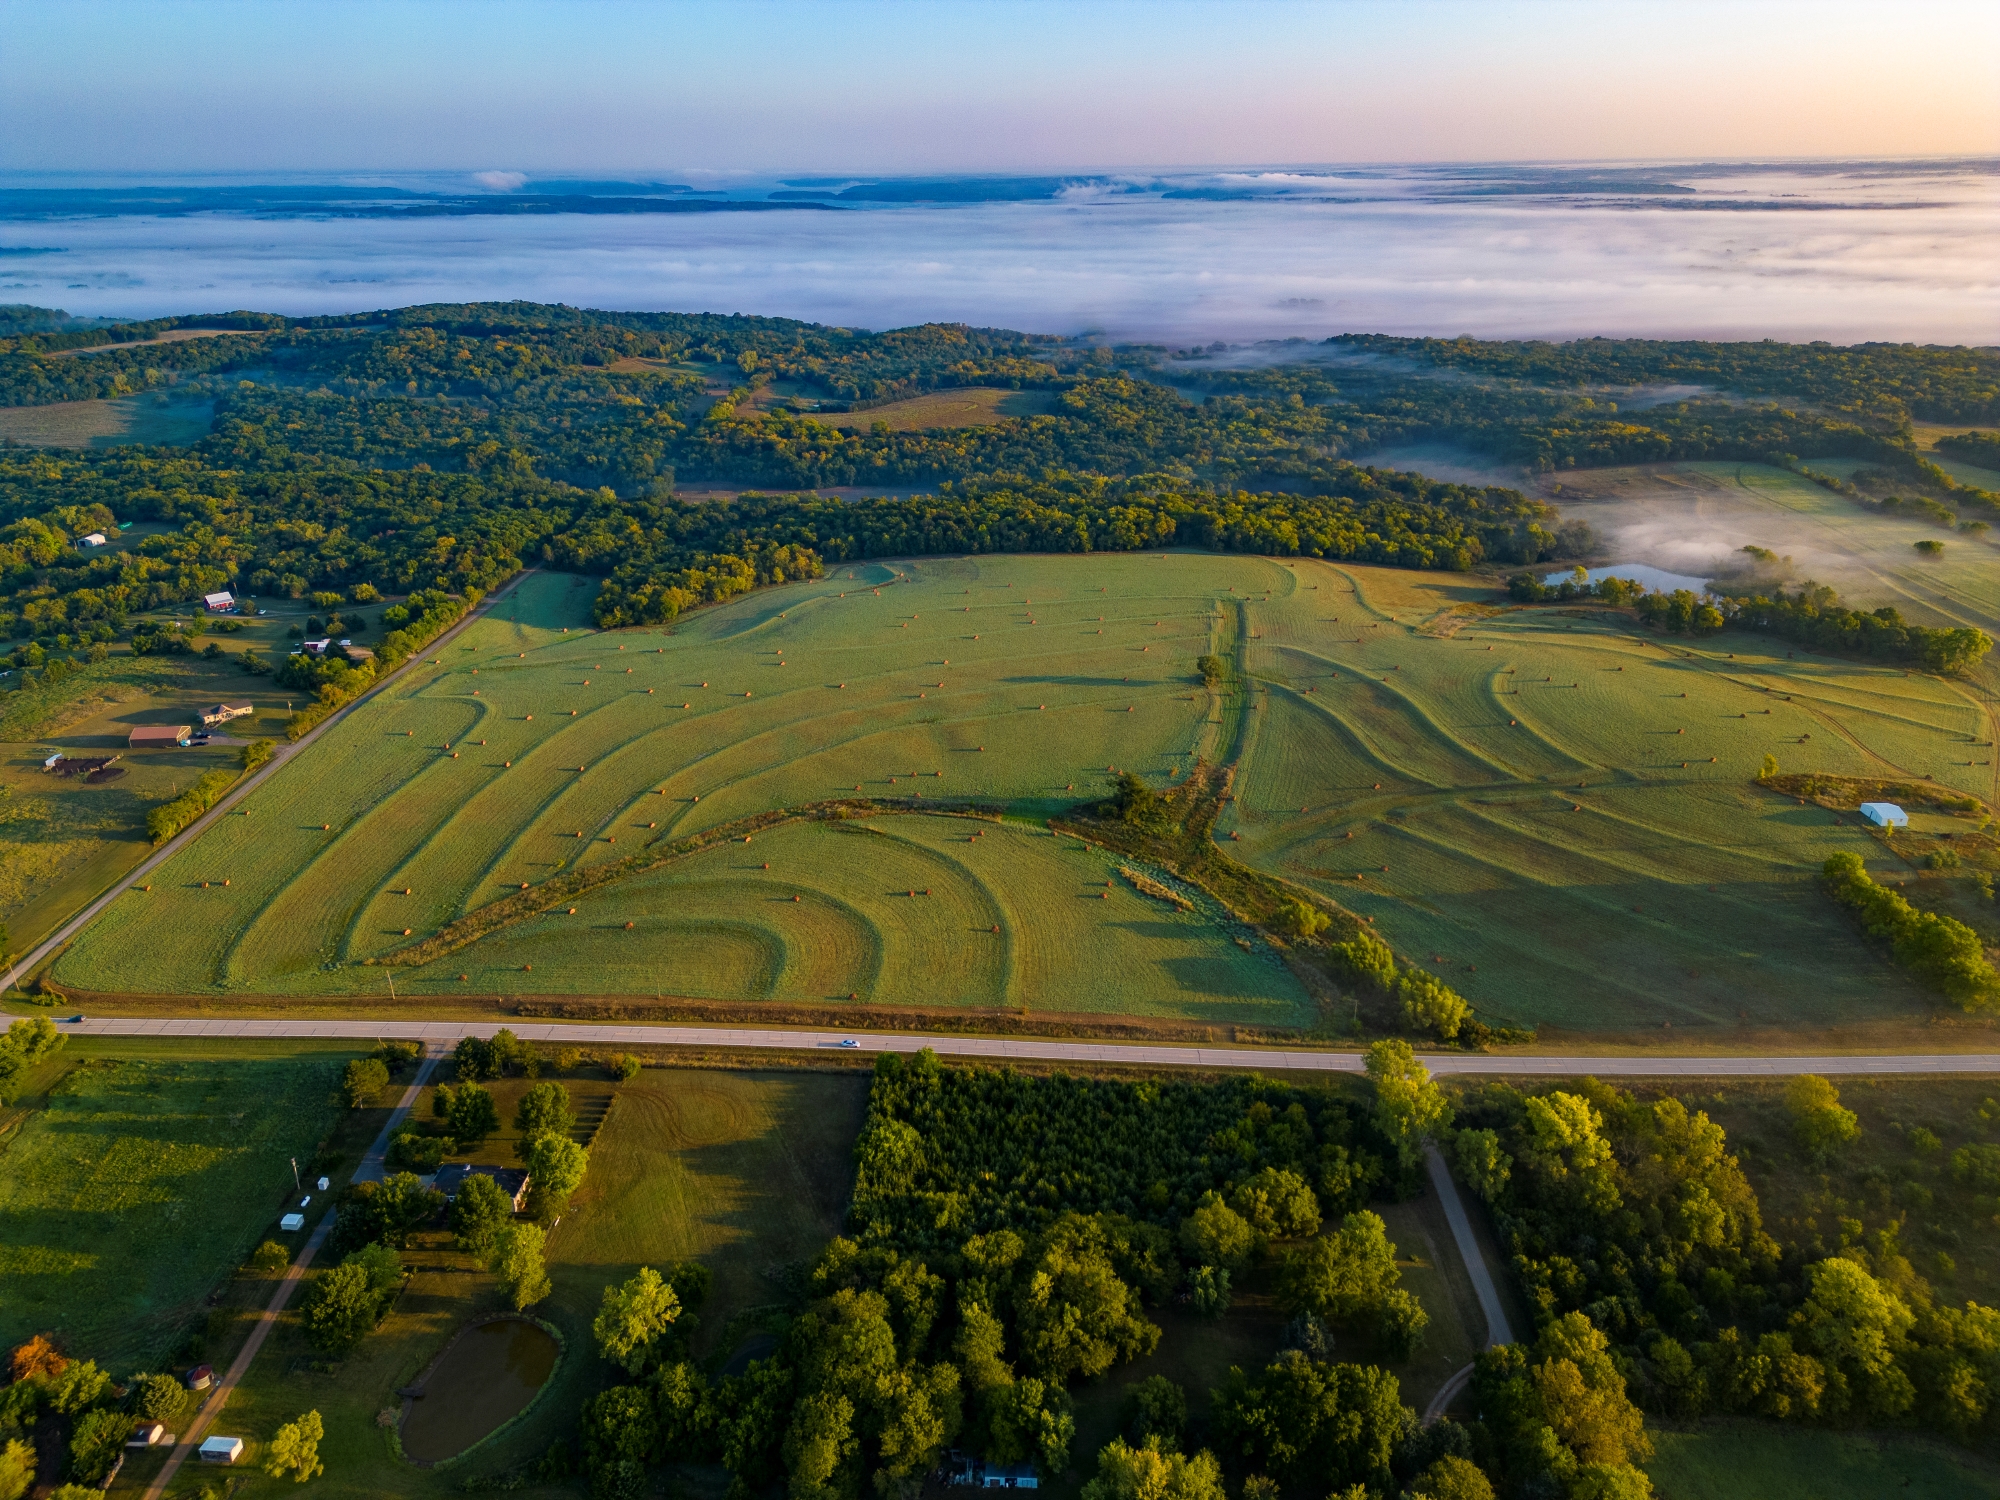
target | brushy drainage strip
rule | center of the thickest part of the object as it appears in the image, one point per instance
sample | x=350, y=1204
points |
x=486, y=1377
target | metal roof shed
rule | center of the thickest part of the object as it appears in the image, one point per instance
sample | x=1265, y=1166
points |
x=1885, y=815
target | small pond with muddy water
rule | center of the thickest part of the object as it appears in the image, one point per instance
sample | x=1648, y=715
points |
x=486, y=1375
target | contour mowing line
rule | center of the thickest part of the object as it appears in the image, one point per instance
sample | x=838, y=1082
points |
x=869, y=968
x=1364, y=748
x=458, y=809
x=541, y=809
x=228, y=968
x=1542, y=837
x=736, y=749
x=227, y=963
x=956, y=865
x=1667, y=837
x=1360, y=596
x=1535, y=731
x=1416, y=710
x=220, y=967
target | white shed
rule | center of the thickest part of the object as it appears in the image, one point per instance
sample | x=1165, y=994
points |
x=292, y=1223
x=220, y=604
x=95, y=539
x=1885, y=815
x=221, y=1450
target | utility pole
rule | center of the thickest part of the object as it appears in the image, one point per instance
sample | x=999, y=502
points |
x=295, y=1175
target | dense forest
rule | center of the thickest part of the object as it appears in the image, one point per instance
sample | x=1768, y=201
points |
x=444, y=447
x=1012, y=1236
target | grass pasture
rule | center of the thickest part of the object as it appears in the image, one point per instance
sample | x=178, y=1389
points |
x=778, y=700
x=140, y=1181
x=1566, y=805
x=1729, y=1461
x=740, y=1170
x=1566, y=808
x=970, y=406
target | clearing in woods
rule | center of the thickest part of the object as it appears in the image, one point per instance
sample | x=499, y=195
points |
x=971, y=406
x=1565, y=805
x=153, y=417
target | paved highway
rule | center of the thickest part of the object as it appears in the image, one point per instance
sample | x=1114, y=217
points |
x=1038, y=1049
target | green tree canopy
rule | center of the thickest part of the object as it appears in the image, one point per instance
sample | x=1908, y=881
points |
x=634, y=1319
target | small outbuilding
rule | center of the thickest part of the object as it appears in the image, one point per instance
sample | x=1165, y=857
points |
x=1885, y=815
x=159, y=736
x=220, y=1450
x=148, y=1434
x=201, y=1377
x=95, y=539
x=292, y=1223
x=223, y=603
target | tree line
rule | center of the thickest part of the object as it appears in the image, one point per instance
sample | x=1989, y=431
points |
x=1634, y=1219
x=1813, y=616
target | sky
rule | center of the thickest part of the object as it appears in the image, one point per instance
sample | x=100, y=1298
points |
x=886, y=86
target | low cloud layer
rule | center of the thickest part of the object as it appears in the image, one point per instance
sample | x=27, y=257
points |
x=1127, y=267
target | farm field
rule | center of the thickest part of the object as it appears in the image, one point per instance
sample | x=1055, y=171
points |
x=1565, y=804
x=153, y=417
x=1685, y=517
x=63, y=840
x=972, y=406
x=1724, y=1461
x=741, y=1170
x=139, y=1181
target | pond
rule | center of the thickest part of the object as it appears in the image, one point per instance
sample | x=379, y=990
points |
x=487, y=1375
x=1656, y=580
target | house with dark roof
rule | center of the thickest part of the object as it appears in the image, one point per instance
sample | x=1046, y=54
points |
x=513, y=1181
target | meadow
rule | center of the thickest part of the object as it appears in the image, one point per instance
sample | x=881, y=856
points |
x=965, y=406
x=1556, y=809
x=784, y=699
x=138, y=1180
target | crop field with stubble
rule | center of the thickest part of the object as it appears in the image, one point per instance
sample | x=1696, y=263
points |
x=1552, y=807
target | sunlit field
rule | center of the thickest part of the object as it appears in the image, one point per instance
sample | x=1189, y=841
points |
x=1565, y=805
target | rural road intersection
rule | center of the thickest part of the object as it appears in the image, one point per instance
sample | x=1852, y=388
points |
x=1040, y=1049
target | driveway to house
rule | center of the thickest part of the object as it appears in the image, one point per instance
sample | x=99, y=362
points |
x=370, y=1170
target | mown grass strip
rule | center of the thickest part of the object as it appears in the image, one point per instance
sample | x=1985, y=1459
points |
x=568, y=886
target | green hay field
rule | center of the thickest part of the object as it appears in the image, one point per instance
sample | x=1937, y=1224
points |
x=139, y=1182
x=808, y=695
x=1566, y=805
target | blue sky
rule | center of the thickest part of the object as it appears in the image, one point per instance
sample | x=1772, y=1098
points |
x=980, y=85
